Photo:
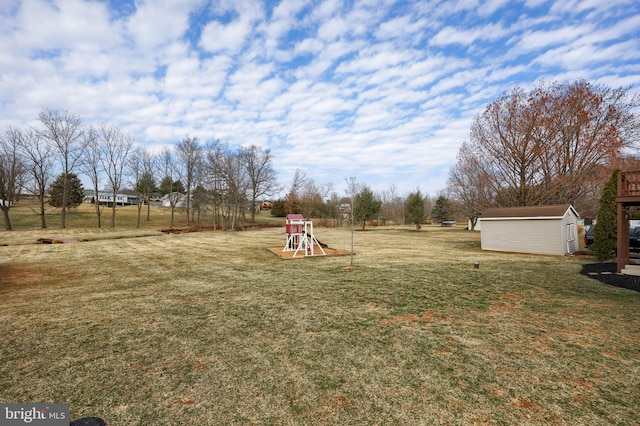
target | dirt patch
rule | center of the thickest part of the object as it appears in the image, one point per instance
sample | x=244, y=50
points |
x=411, y=319
x=334, y=402
x=11, y=275
x=606, y=273
x=55, y=240
x=28, y=275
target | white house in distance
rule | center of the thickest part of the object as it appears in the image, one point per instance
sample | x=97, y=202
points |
x=106, y=197
x=537, y=230
x=178, y=199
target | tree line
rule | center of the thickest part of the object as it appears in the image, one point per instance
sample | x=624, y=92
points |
x=557, y=143
x=47, y=161
x=361, y=204
x=554, y=144
x=210, y=175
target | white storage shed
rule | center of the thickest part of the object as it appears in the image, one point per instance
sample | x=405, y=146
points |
x=537, y=230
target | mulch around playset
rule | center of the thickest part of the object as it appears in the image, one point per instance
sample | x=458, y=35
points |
x=606, y=273
x=278, y=251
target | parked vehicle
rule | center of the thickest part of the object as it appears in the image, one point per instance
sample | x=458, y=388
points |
x=634, y=238
x=588, y=236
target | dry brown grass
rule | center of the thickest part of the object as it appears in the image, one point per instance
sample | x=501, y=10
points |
x=212, y=328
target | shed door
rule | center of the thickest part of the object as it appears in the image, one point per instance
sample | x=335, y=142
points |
x=572, y=237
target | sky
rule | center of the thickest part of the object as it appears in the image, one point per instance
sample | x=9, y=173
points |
x=381, y=90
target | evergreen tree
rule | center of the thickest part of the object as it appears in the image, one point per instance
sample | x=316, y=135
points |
x=366, y=207
x=442, y=210
x=605, y=233
x=168, y=186
x=146, y=185
x=278, y=208
x=75, y=195
x=414, y=209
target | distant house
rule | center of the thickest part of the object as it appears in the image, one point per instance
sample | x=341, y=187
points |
x=537, y=230
x=178, y=200
x=121, y=199
x=265, y=205
x=345, y=210
x=106, y=198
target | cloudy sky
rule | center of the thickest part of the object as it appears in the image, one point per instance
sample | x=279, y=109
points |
x=381, y=90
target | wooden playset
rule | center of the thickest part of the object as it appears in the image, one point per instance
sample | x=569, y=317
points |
x=300, y=237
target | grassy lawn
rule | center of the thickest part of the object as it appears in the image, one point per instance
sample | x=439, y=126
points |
x=210, y=328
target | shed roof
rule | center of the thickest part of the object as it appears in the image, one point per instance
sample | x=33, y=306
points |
x=537, y=212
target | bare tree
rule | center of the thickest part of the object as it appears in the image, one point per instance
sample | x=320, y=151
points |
x=64, y=130
x=226, y=174
x=258, y=166
x=295, y=189
x=548, y=146
x=215, y=152
x=92, y=166
x=199, y=194
x=505, y=132
x=171, y=175
x=469, y=184
x=312, y=196
x=115, y=148
x=236, y=183
x=392, y=205
x=38, y=153
x=584, y=128
x=333, y=206
x=143, y=167
x=188, y=151
x=12, y=170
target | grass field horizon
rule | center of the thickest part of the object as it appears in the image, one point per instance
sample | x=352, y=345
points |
x=212, y=328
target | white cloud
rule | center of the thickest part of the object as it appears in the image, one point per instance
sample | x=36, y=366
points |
x=333, y=29
x=374, y=59
x=400, y=27
x=155, y=24
x=220, y=37
x=380, y=89
x=573, y=6
x=537, y=40
x=283, y=19
x=579, y=55
x=489, y=7
x=452, y=35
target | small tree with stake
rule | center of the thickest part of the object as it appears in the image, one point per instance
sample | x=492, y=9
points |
x=352, y=191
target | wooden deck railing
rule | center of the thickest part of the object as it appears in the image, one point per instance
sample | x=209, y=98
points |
x=629, y=184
